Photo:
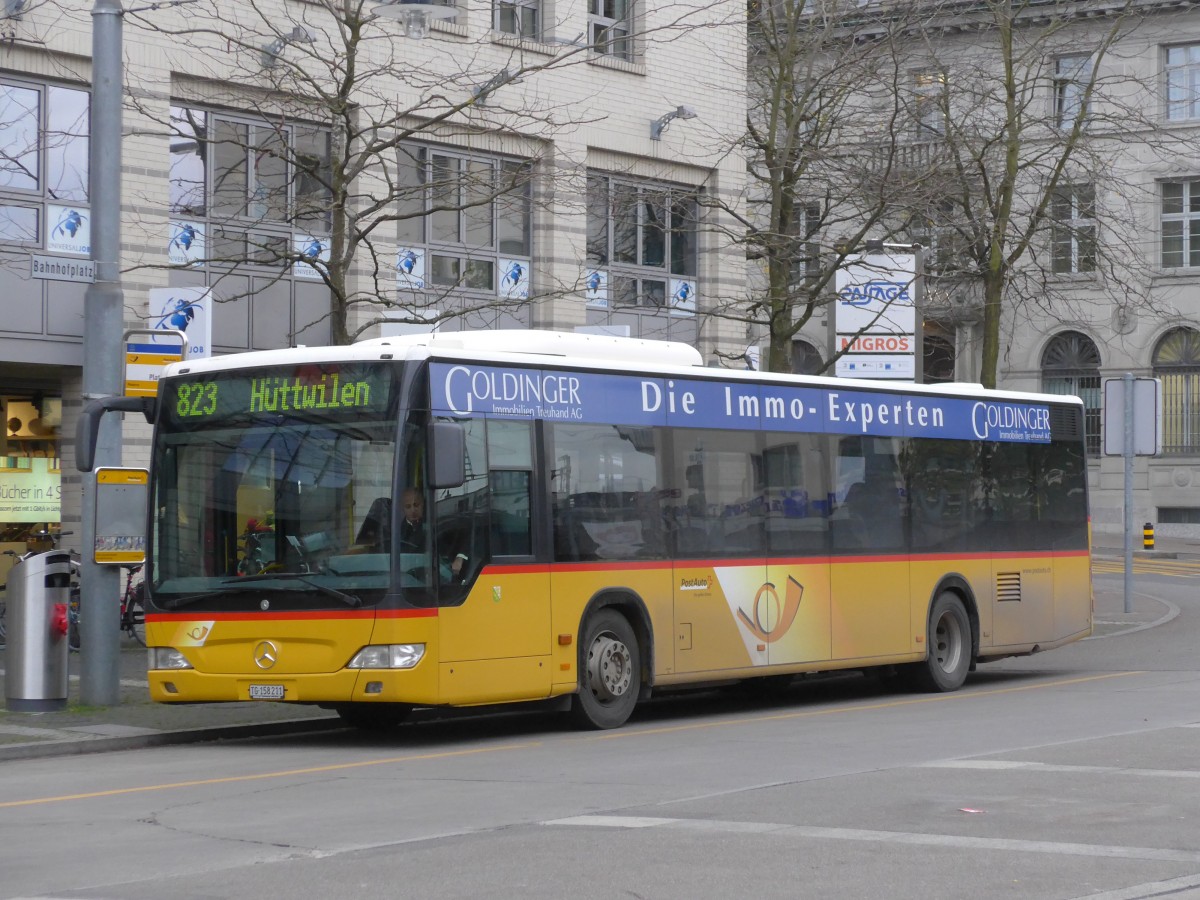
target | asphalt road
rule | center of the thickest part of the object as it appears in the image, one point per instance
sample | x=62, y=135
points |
x=1075, y=773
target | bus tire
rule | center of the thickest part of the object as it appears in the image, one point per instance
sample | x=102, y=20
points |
x=373, y=716
x=948, y=636
x=610, y=672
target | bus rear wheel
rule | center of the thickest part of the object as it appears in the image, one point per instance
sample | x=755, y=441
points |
x=949, y=640
x=373, y=716
x=610, y=672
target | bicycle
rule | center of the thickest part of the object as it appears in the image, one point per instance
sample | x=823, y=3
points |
x=133, y=609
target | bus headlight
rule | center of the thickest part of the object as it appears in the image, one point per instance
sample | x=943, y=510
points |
x=387, y=656
x=166, y=658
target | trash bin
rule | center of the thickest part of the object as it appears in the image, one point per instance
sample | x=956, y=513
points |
x=39, y=588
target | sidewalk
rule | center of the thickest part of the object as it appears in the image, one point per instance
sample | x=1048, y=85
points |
x=136, y=722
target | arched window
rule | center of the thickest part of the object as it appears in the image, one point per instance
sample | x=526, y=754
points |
x=1177, y=362
x=806, y=360
x=1071, y=365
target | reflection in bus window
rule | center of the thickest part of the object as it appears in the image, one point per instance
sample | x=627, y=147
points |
x=607, y=504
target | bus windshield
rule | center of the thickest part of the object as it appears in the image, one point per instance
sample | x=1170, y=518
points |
x=280, y=479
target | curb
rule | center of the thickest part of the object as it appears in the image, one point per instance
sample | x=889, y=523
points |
x=85, y=745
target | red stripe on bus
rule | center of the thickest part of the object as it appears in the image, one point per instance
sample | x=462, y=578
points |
x=297, y=615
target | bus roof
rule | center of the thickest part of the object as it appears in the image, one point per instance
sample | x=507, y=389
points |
x=569, y=350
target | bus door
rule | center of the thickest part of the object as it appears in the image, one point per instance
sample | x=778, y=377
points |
x=494, y=602
x=791, y=611
x=611, y=523
x=869, y=569
x=720, y=565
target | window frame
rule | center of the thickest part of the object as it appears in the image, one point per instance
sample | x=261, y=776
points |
x=41, y=195
x=1071, y=231
x=1175, y=360
x=636, y=273
x=236, y=223
x=1070, y=83
x=931, y=90
x=518, y=9
x=1070, y=365
x=805, y=267
x=602, y=26
x=1190, y=68
x=466, y=255
x=1188, y=220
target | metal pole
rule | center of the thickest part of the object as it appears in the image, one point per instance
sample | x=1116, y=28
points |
x=99, y=629
x=1127, y=453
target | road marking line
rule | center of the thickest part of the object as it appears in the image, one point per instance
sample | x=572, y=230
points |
x=261, y=776
x=1002, y=765
x=1057, y=848
x=1150, y=889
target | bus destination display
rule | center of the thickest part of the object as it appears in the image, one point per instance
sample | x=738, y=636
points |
x=323, y=392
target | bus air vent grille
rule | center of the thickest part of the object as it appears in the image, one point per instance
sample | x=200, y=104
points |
x=1066, y=423
x=1008, y=586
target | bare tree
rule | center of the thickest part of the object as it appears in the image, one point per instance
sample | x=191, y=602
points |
x=1020, y=118
x=339, y=99
x=820, y=77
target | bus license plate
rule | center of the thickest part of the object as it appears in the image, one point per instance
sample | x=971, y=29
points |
x=266, y=692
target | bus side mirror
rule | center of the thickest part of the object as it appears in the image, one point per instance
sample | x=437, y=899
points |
x=447, y=455
x=88, y=426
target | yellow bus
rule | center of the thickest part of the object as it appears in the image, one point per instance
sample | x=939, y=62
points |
x=600, y=518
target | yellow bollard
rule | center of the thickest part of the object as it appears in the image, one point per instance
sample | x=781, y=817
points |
x=1148, y=536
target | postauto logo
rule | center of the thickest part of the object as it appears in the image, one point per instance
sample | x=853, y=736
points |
x=877, y=291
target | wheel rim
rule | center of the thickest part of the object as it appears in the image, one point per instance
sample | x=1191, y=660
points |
x=948, y=642
x=609, y=668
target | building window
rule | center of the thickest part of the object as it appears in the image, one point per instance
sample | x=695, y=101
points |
x=1073, y=229
x=1072, y=74
x=1181, y=224
x=1183, y=82
x=610, y=26
x=250, y=210
x=643, y=235
x=1176, y=361
x=1178, y=515
x=44, y=137
x=943, y=243
x=255, y=187
x=937, y=358
x=805, y=249
x=1071, y=366
x=929, y=103
x=522, y=18
x=468, y=216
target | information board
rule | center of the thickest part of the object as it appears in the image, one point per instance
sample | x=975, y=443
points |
x=121, y=503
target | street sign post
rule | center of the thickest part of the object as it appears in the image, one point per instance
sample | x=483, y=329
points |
x=1132, y=427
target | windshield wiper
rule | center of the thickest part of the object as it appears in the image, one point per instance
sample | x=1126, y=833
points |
x=188, y=599
x=348, y=599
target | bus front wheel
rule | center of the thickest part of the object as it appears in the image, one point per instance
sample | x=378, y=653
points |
x=610, y=672
x=949, y=641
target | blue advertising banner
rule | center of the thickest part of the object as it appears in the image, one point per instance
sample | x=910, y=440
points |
x=504, y=392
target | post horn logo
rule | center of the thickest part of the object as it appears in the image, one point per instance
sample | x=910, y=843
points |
x=769, y=620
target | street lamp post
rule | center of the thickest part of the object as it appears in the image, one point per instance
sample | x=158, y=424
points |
x=103, y=327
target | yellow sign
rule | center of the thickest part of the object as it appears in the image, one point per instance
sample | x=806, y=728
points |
x=146, y=354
